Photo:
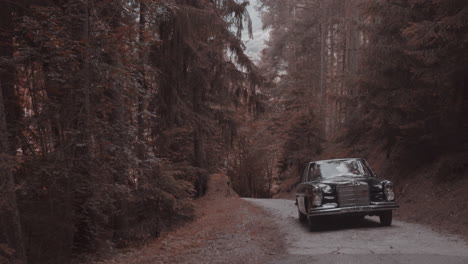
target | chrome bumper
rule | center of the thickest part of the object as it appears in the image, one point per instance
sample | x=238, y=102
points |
x=373, y=207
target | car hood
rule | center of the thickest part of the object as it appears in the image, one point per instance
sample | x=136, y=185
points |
x=343, y=180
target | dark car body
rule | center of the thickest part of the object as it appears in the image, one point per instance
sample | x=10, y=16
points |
x=343, y=186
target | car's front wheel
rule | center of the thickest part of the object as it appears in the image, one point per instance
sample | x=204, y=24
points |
x=314, y=223
x=302, y=217
x=386, y=218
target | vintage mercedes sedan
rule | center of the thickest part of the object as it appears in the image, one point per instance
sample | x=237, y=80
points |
x=343, y=187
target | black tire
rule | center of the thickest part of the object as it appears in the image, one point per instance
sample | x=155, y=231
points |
x=302, y=217
x=313, y=223
x=386, y=218
x=357, y=218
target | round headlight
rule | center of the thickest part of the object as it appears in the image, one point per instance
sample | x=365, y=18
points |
x=388, y=191
x=317, y=196
x=317, y=201
x=326, y=189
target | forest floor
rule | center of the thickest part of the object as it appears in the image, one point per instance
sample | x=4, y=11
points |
x=441, y=205
x=226, y=229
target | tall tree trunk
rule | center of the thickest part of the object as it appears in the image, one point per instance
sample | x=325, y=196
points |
x=143, y=85
x=333, y=81
x=84, y=234
x=120, y=136
x=322, y=55
x=86, y=69
x=10, y=225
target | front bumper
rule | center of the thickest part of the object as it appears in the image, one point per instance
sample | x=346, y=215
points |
x=366, y=209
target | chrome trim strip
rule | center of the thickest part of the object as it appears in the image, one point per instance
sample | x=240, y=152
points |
x=354, y=209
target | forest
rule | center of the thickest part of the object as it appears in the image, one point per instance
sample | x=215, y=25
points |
x=384, y=80
x=113, y=113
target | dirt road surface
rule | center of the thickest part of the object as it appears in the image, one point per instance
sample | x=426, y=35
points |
x=226, y=230
x=360, y=241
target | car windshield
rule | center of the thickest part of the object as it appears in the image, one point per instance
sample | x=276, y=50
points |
x=336, y=168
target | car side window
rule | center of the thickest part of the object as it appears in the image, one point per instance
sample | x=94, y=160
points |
x=367, y=169
x=314, y=172
x=304, y=173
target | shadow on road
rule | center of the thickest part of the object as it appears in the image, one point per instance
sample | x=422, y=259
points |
x=337, y=223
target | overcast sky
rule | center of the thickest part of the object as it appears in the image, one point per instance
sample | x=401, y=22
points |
x=254, y=46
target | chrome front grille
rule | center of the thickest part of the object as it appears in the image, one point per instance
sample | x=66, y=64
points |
x=353, y=195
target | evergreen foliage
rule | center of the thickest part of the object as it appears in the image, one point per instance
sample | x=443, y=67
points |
x=115, y=114
x=359, y=74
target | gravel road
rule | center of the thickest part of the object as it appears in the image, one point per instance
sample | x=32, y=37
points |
x=360, y=242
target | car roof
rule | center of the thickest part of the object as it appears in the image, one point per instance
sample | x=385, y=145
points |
x=342, y=159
